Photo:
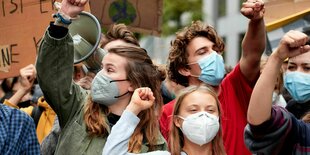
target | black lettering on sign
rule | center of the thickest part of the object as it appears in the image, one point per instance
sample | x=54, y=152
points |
x=2, y=8
x=36, y=43
x=13, y=53
x=11, y=7
x=16, y=6
x=41, y=9
x=6, y=57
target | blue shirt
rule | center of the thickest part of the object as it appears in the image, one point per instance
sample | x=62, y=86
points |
x=17, y=133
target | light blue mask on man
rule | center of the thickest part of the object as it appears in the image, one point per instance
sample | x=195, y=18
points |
x=212, y=69
x=298, y=85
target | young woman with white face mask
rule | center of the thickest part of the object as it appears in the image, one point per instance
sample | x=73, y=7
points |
x=195, y=129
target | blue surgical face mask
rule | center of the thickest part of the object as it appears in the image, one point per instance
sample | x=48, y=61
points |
x=298, y=85
x=212, y=69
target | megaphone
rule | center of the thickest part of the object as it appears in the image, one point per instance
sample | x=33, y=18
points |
x=86, y=33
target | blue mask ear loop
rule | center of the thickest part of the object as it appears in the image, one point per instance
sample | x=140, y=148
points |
x=193, y=63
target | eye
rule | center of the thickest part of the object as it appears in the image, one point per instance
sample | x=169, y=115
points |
x=291, y=68
x=202, y=52
x=210, y=111
x=306, y=68
x=109, y=70
x=205, y=51
x=193, y=110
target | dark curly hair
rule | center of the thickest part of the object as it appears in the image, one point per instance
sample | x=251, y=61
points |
x=178, y=57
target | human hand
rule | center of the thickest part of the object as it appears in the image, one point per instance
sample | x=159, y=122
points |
x=141, y=99
x=72, y=8
x=27, y=77
x=253, y=9
x=306, y=118
x=85, y=82
x=292, y=44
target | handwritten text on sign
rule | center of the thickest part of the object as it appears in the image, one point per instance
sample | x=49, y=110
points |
x=22, y=25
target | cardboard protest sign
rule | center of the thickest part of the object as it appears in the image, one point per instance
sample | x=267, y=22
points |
x=282, y=12
x=140, y=15
x=22, y=25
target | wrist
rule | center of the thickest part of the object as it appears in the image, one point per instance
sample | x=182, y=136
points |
x=276, y=57
x=62, y=20
x=133, y=109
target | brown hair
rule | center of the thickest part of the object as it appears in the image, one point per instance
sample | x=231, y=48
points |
x=141, y=72
x=178, y=56
x=120, y=31
x=176, y=138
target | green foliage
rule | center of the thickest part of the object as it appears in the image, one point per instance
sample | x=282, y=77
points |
x=172, y=11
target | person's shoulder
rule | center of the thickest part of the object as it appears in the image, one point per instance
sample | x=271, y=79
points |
x=12, y=114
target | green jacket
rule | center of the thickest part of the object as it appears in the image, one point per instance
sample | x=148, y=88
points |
x=54, y=71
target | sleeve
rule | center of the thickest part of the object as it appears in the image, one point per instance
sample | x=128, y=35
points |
x=166, y=118
x=117, y=141
x=27, y=110
x=54, y=72
x=272, y=136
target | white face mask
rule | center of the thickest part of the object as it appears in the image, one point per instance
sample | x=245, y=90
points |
x=200, y=128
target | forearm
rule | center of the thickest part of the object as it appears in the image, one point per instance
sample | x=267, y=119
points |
x=261, y=100
x=254, y=41
x=253, y=46
x=117, y=142
x=15, y=99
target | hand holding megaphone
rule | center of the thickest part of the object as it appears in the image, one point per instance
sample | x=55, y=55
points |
x=72, y=8
x=85, y=31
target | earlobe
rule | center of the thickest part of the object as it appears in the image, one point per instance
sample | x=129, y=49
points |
x=130, y=89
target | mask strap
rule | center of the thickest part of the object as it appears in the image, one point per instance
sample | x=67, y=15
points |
x=192, y=63
x=118, y=80
x=181, y=117
x=121, y=95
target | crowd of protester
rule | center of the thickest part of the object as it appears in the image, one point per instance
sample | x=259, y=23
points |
x=192, y=105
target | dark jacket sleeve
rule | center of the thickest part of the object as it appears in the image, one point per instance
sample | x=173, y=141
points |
x=54, y=72
x=273, y=136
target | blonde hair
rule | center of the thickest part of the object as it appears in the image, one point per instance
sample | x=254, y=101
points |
x=176, y=138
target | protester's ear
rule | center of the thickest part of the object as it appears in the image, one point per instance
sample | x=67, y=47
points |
x=184, y=71
x=131, y=89
x=177, y=121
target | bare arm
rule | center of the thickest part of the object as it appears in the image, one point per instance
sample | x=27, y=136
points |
x=27, y=77
x=292, y=44
x=253, y=44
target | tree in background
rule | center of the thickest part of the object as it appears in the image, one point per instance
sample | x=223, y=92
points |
x=175, y=12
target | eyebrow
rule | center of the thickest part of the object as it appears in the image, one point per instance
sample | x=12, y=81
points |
x=108, y=64
x=197, y=105
x=303, y=64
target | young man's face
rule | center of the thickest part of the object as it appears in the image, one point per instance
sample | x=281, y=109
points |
x=197, y=49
